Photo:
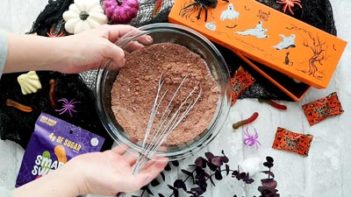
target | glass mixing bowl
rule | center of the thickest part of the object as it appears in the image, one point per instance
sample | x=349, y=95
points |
x=170, y=33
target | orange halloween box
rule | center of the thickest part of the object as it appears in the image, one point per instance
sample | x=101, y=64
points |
x=267, y=36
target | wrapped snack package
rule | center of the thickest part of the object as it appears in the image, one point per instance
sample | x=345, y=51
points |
x=240, y=82
x=53, y=143
x=323, y=108
x=293, y=142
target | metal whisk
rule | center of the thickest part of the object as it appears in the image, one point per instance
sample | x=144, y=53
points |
x=169, y=119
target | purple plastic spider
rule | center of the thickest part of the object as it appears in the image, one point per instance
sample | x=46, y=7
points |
x=67, y=106
x=251, y=139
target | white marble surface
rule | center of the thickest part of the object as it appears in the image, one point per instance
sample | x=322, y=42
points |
x=324, y=173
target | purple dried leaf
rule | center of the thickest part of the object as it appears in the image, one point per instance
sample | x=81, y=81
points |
x=269, y=173
x=154, y=182
x=224, y=159
x=209, y=155
x=269, y=159
x=268, y=164
x=218, y=175
x=187, y=172
x=212, y=166
x=269, y=183
x=175, y=163
x=147, y=189
x=235, y=173
x=249, y=181
x=211, y=180
x=241, y=175
x=163, y=176
x=168, y=167
x=227, y=169
x=217, y=161
x=179, y=184
x=200, y=162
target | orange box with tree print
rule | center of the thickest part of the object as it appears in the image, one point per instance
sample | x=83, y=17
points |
x=285, y=44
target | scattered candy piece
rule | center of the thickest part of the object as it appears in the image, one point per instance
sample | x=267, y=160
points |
x=273, y=104
x=67, y=106
x=322, y=108
x=60, y=153
x=251, y=139
x=55, y=32
x=240, y=82
x=252, y=118
x=29, y=82
x=293, y=142
x=19, y=106
x=157, y=7
x=52, y=93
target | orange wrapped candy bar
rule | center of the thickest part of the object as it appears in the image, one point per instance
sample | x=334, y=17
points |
x=323, y=108
x=291, y=141
x=240, y=82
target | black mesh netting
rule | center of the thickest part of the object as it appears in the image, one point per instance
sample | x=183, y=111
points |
x=18, y=126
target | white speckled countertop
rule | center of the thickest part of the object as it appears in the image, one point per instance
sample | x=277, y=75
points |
x=324, y=173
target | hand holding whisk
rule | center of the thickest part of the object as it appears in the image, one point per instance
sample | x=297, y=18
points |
x=169, y=118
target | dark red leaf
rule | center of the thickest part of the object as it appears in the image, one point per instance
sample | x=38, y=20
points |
x=269, y=159
x=269, y=173
x=242, y=175
x=147, y=189
x=235, y=173
x=176, y=193
x=218, y=175
x=211, y=180
x=175, y=163
x=212, y=167
x=209, y=155
x=168, y=167
x=269, y=183
x=187, y=172
x=200, y=162
x=163, y=176
x=171, y=187
x=179, y=184
x=217, y=161
x=224, y=159
x=249, y=181
x=154, y=182
x=268, y=164
x=227, y=169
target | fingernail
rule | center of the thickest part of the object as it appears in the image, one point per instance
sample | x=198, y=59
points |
x=149, y=38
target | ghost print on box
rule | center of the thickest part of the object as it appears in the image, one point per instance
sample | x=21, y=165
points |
x=230, y=13
x=286, y=42
x=259, y=31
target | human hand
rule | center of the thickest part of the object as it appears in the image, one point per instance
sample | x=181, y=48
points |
x=94, y=48
x=110, y=172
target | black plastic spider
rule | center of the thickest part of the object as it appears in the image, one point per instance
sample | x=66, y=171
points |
x=198, y=5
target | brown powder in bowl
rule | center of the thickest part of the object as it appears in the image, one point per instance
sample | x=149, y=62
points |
x=134, y=90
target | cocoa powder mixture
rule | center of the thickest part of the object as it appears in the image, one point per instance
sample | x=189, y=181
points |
x=134, y=90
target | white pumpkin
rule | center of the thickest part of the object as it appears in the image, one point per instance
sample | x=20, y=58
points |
x=84, y=15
